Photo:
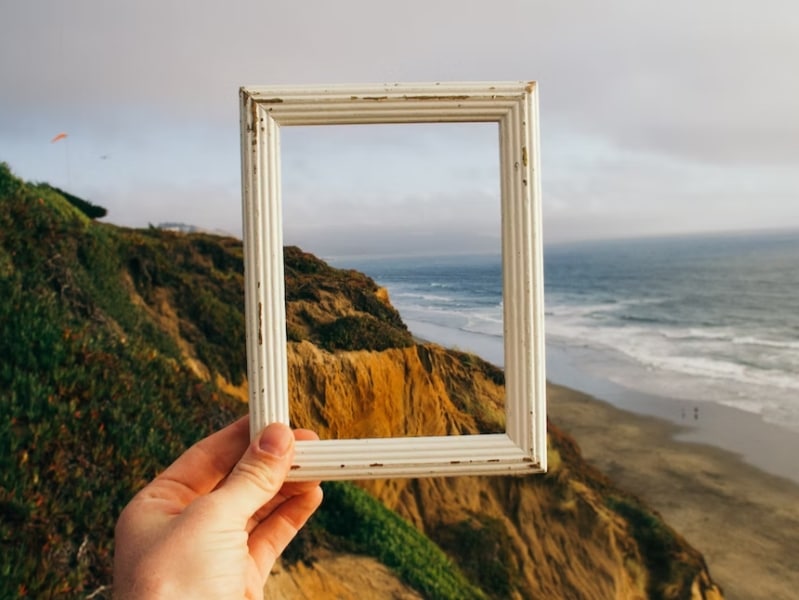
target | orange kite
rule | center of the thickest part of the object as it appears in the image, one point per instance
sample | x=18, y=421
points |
x=60, y=136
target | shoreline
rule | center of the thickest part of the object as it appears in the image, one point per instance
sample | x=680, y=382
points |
x=744, y=520
x=766, y=446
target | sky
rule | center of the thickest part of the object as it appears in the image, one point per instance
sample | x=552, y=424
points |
x=655, y=117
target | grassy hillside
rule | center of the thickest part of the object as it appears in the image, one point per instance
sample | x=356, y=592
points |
x=96, y=396
x=93, y=396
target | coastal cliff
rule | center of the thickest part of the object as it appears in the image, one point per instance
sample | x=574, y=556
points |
x=122, y=347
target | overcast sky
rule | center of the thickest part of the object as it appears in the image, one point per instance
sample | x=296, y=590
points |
x=656, y=117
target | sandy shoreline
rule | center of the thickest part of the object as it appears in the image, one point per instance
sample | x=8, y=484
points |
x=769, y=447
x=744, y=520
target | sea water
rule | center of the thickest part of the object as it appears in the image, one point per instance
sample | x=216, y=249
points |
x=699, y=318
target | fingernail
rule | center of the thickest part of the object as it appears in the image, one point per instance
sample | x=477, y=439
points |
x=276, y=439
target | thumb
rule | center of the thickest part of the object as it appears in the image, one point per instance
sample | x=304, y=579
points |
x=259, y=474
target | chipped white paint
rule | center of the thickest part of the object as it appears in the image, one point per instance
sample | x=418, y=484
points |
x=514, y=106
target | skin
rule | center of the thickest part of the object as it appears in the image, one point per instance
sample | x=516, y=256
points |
x=213, y=524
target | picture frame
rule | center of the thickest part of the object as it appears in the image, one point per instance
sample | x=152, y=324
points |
x=264, y=110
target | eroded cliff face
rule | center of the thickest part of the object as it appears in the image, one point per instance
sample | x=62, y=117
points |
x=414, y=391
x=559, y=535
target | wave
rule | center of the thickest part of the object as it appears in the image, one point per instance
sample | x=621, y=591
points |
x=685, y=360
x=726, y=370
x=751, y=341
x=423, y=297
x=485, y=324
x=639, y=319
x=726, y=335
x=720, y=354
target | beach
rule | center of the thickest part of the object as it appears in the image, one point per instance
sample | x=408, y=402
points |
x=743, y=519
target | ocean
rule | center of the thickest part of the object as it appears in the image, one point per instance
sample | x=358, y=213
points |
x=697, y=318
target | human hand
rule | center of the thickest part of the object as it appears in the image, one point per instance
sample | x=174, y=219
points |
x=213, y=524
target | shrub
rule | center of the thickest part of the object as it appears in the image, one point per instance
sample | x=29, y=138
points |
x=9, y=184
x=362, y=332
x=87, y=208
x=350, y=513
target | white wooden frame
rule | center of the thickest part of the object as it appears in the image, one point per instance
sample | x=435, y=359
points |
x=514, y=106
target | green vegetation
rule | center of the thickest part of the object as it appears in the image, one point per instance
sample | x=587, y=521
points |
x=87, y=208
x=356, y=332
x=354, y=317
x=201, y=278
x=372, y=529
x=94, y=399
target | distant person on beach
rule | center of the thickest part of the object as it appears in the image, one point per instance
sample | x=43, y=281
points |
x=213, y=524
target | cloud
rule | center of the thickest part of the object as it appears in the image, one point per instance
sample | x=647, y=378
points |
x=648, y=108
x=629, y=194
x=708, y=81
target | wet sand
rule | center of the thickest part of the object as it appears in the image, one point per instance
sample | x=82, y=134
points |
x=743, y=519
